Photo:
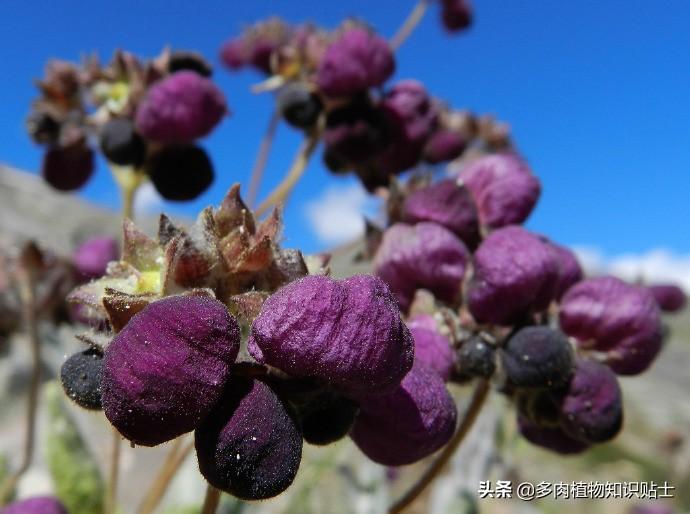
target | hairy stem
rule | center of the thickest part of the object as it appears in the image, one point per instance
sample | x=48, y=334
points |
x=113, y=474
x=177, y=455
x=211, y=501
x=28, y=297
x=477, y=402
x=408, y=26
x=280, y=193
x=262, y=158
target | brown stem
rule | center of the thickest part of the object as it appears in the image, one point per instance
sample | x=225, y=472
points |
x=28, y=296
x=408, y=26
x=478, y=396
x=281, y=192
x=211, y=501
x=262, y=158
x=113, y=475
x=177, y=455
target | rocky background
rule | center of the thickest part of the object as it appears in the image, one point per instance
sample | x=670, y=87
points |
x=337, y=479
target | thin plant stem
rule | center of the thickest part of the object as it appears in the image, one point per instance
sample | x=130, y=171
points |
x=177, y=455
x=113, y=474
x=409, y=25
x=128, y=180
x=262, y=158
x=280, y=193
x=211, y=500
x=477, y=402
x=28, y=296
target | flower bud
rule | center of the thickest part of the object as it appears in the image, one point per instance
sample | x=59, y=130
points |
x=431, y=348
x=80, y=376
x=669, y=297
x=592, y=408
x=456, y=14
x=476, y=358
x=569, y=269
x=190, y=61
x=166, y=369
x=611, y=316
x=43, y=128
x=444, y=146
x=68, y=168
x=550, y=437
x=538, y=357
x=121, y=144
x=92, y=257
x=180, y=108
x=298, y=106
x=354, y=62
x=515, y=273
x=180, y=172
x=421, y=256
x=446, y=203
x=36, y=505
x=327, y=418
x=344, y=332
x=249, y=445
x=407, y=424
x=503, y=188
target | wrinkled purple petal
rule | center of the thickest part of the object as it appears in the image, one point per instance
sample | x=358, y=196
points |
x=431, y=348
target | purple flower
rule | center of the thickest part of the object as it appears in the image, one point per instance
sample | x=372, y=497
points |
x=456, y=14
x=411, y=119
x=180, y=108
x=354, y=62
x=611, y=316
x=592, y=409
x=68, y=168
x=550, y=437
x=407, y=424
x=669, y=297
x=92, y=257
x=446, y=203
x=249, y=445
x=444, y=146
x=421, y=256
x=36, y=505
x=431, y=348
x=569, y=269
x=166, y=369
x=515, y=273
x=345, y=332
x=503, y=188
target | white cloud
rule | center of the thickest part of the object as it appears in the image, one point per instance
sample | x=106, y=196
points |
x=336, y=216
x=656, y=265
x=147, y=200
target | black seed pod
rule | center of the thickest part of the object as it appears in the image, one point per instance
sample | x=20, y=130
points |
x=327, y=418
x=43, y=128
x=68, y=168
x=81, y=378
x=538, y=357
x=476, y=358
x=189, y=61
x=180, y=172
x=121, y=144
x=249, y=445
x=298, y=106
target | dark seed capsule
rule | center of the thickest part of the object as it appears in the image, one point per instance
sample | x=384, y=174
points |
x=189, y=61
x=476, y=358
x=81, y=378
x=68, y=168
x=42, y=128
x=538, y=357
x=249, y=445
x=121, y=144
x=551, y=438
x=299, y=106
x=327, y=418
x=180, y=172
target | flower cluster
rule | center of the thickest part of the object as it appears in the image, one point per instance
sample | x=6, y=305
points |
x=220, y=331
x=330, y=84
x=143, y=115
x=512, y=305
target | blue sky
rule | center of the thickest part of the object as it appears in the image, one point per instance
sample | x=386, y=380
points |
x=596, y=93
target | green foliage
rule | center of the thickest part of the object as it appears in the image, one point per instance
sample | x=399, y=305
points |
x=77, y=478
